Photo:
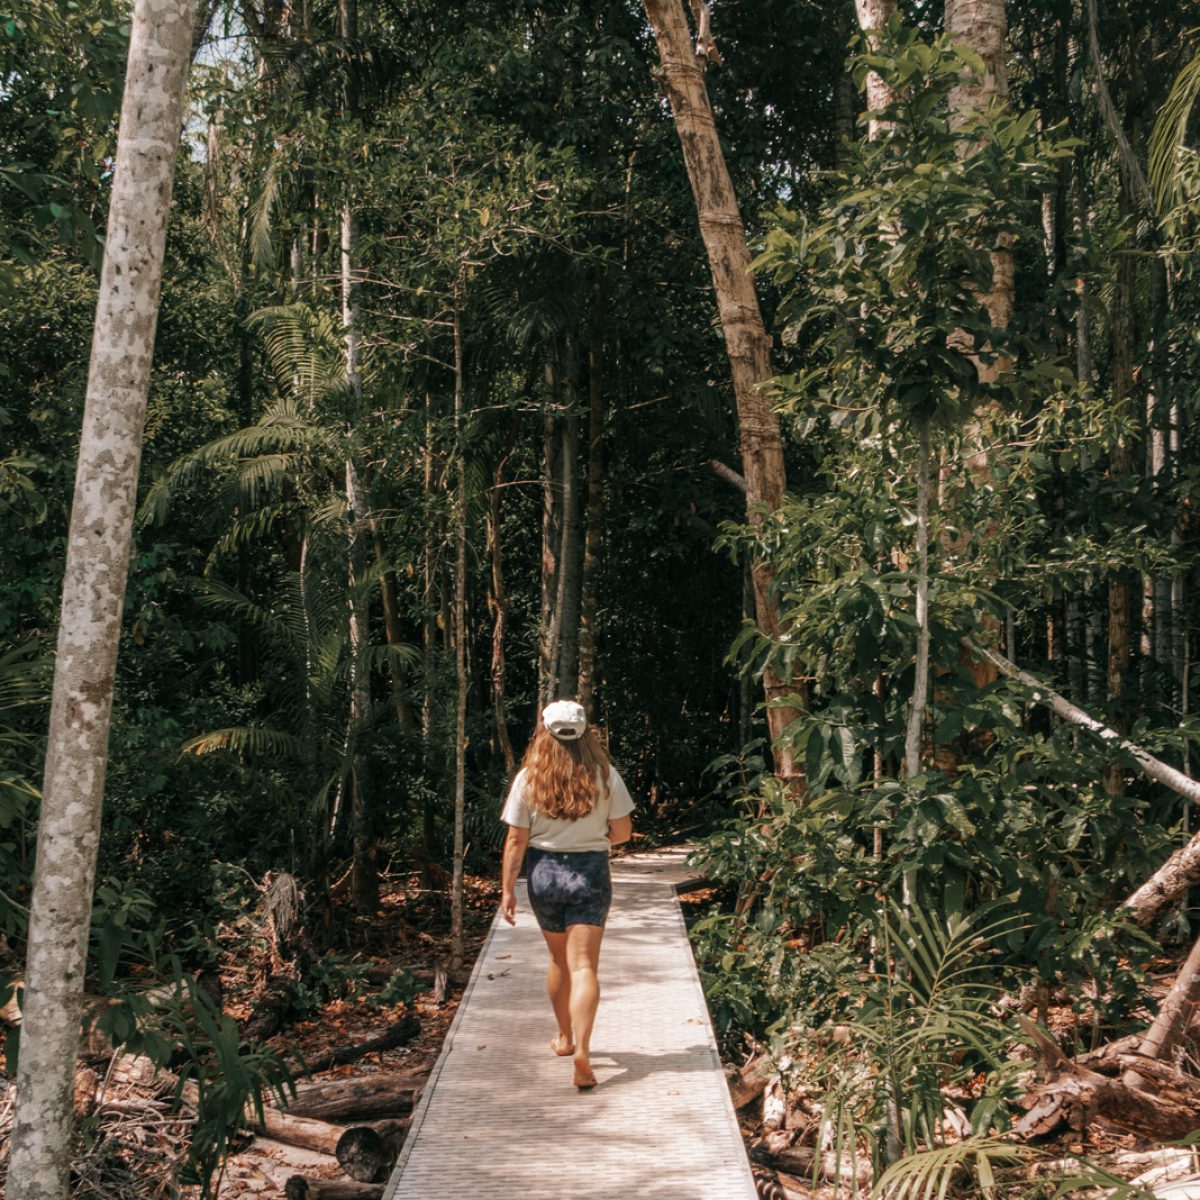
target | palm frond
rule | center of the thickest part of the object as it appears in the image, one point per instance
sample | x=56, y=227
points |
x=262, y=210
x=929, y=1174
x=1167, y=140
x=280, y=626
x=280, y=435
x=305, y=349
x=251, y=739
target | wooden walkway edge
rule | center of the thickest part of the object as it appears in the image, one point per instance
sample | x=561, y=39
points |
x=499, y=1116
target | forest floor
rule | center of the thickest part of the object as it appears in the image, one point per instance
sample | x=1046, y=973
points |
x=410, y=930
x=132, y=1146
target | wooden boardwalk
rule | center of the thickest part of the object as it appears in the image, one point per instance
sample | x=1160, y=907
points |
x=500, y=1119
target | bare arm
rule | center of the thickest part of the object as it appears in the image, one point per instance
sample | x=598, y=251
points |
x=514, y=856
x=620, y=830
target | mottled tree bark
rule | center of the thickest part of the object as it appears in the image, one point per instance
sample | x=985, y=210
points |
x=874, y=15
x=746, y=340
x=920, y=694
x=98, y=548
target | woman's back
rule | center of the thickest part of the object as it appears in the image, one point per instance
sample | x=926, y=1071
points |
x=589, y=832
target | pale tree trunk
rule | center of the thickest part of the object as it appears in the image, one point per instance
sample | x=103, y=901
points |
x=98, y=547
x=982, y=26
x=589, y=601
x=920, y=696
x=746, y=340
x=457, y=949
x=429, y=589
x=364, y=875
x=874, y=15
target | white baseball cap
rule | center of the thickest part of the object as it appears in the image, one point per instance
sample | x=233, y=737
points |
x=565, y=719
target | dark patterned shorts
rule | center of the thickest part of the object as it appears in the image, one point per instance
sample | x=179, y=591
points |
x=568, y=888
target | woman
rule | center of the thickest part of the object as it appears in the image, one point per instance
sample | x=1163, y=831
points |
x=565, y=808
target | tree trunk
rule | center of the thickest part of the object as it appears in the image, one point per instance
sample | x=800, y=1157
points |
x=380, y=1095
x=874, y=15
x=567, y=593
x=390, y=603
x=98, y=548
x=498, y=602
x=920, y=696
x=428, y=634
x=746, y=339
x=589, y=603
x=457, y=949
x=1122, y=583
x=550, y=631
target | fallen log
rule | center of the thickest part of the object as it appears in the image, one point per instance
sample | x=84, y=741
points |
x=805, y=1162
x=399, y=1034
x=301, y=1188
x=770, y=1184
x=380, y=1095
x=1174, y=1015
x=306, y=1132
x=271, y=1010
x=367, y=1153
x=747, y=1084
x=384, y=972
x=1074, y=1096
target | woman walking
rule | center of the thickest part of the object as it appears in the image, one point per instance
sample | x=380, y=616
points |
x=565, y=809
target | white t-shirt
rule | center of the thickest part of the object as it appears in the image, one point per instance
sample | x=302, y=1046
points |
x=589, y=832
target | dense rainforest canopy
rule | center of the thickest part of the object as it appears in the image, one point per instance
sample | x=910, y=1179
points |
x=442, y=426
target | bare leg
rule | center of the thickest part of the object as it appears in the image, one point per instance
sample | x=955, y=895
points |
x=583, y=959
x=558, y=986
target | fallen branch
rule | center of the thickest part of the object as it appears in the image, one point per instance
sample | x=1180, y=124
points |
x=399, y=1034
x=1174, y=1016
x=1148, y=902
x=1158, y=770
x=728, y=474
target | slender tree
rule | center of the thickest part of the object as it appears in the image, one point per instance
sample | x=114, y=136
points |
x=98, y=549
x=746, y=339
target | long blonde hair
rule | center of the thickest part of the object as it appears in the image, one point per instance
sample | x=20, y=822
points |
x=561, y=777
